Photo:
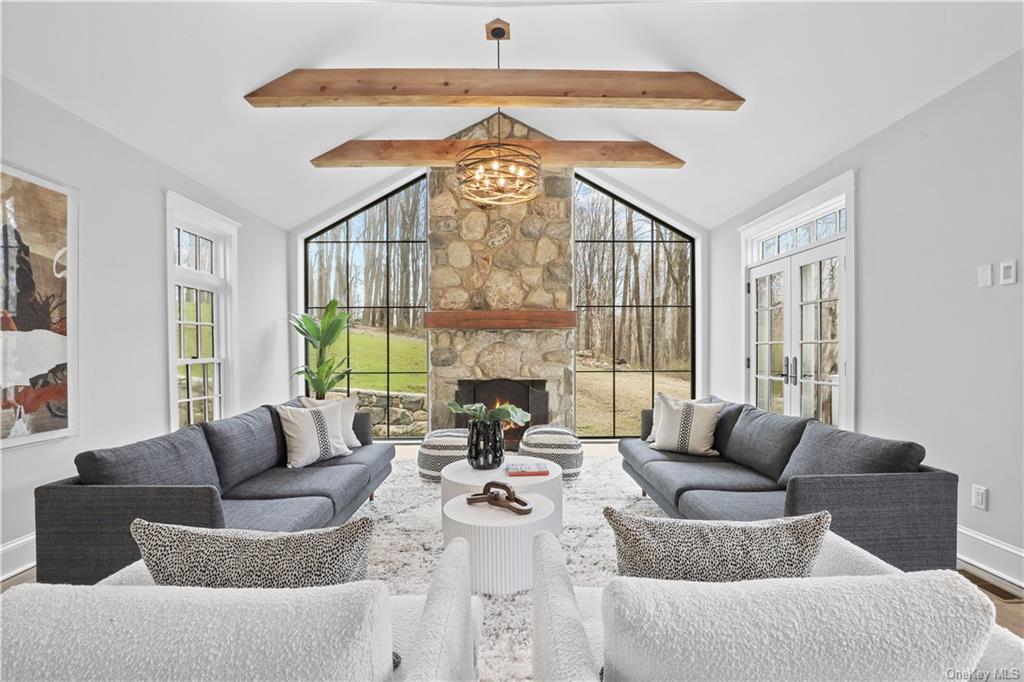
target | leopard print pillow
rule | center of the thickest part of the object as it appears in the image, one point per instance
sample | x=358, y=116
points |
x=717, y=551
x=220, y=557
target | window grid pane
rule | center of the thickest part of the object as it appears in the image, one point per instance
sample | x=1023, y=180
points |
x=374, y=263
x=634, y=332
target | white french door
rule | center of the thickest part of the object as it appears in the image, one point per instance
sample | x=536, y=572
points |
x=795, y=351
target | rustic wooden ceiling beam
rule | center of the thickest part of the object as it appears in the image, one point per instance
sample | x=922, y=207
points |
x=493, y=88
x=442, y=154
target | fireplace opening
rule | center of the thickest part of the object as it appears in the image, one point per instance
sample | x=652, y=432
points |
x=527, y=394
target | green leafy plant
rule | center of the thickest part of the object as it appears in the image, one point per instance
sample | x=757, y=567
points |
x=503, y=412
x=322, y=373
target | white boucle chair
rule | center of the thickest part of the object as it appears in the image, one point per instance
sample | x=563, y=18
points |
x=917, y=622
x=126, y=627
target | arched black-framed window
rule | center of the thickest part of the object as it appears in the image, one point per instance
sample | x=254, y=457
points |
x=635, y=324
x=374, y=262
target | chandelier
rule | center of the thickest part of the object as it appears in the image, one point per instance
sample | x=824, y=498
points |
x=498, y=173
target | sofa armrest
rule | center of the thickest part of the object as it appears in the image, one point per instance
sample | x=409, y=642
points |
x=447, y=635
x=82, y=533
x=561, y=650
x=362, y=426
x=906, y=519
x=646, y=423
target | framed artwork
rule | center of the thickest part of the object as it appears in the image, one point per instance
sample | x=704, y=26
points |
x=38, y=325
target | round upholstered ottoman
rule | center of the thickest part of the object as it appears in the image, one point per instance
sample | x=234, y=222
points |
x=556, y=444
x=439, y=449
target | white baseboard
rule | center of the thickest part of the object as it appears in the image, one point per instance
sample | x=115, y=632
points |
x=1000, y=559
x=17, y=555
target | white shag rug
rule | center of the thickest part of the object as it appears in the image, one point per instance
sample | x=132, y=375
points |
x=408, y=540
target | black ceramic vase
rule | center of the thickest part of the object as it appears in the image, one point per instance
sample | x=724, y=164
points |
x=486, y=444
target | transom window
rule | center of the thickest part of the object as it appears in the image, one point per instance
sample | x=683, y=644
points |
x=818, y=229
x=634, y=300
x=192, y=251
x=374, y=263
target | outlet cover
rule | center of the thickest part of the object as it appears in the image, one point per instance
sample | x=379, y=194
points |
x=1008, y=272
x=979, y=497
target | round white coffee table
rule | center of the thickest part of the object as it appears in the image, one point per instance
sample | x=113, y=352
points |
x=500, y=541
x=459, y=478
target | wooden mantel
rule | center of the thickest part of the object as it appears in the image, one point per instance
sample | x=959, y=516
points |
x=500, y=319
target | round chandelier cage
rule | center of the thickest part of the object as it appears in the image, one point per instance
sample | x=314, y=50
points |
x=498, y=173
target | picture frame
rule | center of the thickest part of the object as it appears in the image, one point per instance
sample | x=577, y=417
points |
x=38, y=271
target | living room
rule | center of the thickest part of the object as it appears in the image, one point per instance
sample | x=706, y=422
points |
x=501, y=335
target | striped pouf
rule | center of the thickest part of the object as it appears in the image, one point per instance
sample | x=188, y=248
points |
x=439, y=449
x=556, y=444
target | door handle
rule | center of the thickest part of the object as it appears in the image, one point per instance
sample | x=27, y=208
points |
x=794, y=374
x=785, y=369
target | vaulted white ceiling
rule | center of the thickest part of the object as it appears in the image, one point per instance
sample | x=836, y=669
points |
x=818, y=78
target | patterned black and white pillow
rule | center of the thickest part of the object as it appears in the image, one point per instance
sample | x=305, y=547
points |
x=685, y=426
x=313, y=434
x=220, y=557
x=717, y=551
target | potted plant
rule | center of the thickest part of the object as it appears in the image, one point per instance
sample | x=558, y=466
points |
x=487, y=431
x=322, y=372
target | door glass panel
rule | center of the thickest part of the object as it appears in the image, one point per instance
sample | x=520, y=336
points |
x=762, y=394
x=830, y=320
x=762, y=292
x=762, y=326
x=778, y=324
x=778, y=405
x=808, y=360
x=829, y=282
x=809, y=282
x=763, y=350
x=828, y=411
x=777, y=368
x=808, y=399
x=809, y=322
x=777, y=289
x=828, y=370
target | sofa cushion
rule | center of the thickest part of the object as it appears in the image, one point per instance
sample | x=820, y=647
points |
x=727, y=505
x=672, y=479
x=340, y=484
x=185, y=556
x=764, y=441
x=113, y=632
x=913, y=626
x=244, y=445
x=824, y=449
x=285, y=514
x=374, y=457
x=179, y=458
x=638, y=453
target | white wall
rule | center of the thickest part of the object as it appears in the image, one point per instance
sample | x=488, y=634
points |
x=939, y=360
x=122, y=339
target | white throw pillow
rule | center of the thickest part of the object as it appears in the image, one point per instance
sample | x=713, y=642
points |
x=348, y=415
x=312, y=434
x=685, y=426
x=908, y=626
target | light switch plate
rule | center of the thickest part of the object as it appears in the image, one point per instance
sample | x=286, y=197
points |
x=1008, y=272
x=984, y=275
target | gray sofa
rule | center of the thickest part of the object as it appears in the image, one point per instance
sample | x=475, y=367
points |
x=228, y=473
x=880, y=496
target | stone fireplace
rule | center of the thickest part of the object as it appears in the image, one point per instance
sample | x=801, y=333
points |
x=511, y=266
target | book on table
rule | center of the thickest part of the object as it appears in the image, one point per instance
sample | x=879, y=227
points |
x=527, y=469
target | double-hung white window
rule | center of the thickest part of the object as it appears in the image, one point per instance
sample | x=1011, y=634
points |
x=201, y=308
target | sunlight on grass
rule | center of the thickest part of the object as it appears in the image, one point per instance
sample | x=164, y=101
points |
x=368, y=352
